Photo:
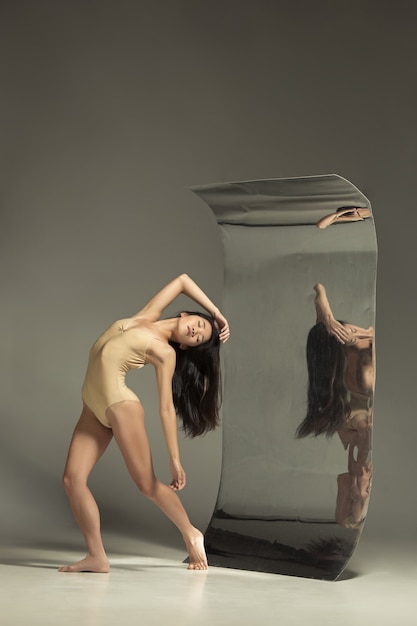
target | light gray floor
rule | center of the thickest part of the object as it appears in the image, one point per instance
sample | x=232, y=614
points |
x=149, y=584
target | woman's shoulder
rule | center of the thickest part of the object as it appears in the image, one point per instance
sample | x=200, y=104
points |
x=160, y=351
x=158, y=344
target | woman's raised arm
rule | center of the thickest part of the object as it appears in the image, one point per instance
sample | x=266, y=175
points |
x=193, y=291
x=183, y=284
x=324, y=314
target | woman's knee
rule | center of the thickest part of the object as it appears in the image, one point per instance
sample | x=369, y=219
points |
x=67, y=483
x=148, y=486
x=71, y=482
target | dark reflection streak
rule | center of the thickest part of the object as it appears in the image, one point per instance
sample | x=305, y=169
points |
x=324, y=558
x=220, y=514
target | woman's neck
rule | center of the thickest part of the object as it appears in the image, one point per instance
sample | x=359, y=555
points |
x=167, y=327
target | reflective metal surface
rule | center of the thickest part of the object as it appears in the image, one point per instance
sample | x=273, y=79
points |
x=300, y=268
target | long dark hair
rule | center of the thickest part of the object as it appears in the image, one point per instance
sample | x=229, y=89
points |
x=196, y=384
x=328, y=404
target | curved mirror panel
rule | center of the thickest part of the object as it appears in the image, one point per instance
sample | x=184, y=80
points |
x=299, y=293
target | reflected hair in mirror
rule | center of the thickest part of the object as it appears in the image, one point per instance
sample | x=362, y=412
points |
x=327, y=396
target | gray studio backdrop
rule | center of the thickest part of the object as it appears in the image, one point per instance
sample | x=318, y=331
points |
x=111, y=109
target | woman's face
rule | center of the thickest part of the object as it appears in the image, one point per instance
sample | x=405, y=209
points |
x=358, y=336
x=193, y=330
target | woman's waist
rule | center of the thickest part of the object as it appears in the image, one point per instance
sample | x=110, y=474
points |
x=101, y=369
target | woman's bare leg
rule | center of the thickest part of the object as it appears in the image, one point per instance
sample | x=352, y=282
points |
x=128, y=424
x=89, y=441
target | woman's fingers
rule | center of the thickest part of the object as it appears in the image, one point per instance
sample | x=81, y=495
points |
x=338, y=331
x=341, y=333
x=224, y=333
x=178, y=476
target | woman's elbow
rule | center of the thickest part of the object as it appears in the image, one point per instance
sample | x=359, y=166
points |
x=183, y=278
x=167, y=411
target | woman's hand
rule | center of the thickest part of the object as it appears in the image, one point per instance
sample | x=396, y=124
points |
x=223, y=325
x=178, y=476
x=336, y=329
x=325, y=315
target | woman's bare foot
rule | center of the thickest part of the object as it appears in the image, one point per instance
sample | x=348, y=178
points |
x=98, y=565
x=196, y=551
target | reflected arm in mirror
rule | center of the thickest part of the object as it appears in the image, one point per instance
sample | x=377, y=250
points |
x=343, y=215
x=324, y=314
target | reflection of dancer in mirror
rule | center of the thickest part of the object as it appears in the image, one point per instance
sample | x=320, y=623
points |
x=343, y=215
x=340, y=393
x=340, y=374
x=185, y=354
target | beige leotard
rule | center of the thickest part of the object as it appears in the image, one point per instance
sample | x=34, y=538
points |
x=120, y=348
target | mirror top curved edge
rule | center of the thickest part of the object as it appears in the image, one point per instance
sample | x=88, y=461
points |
x=281, y=201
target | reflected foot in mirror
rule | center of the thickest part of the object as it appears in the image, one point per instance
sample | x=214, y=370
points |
x=97, y=565
x=196, y=551
x=343, y=215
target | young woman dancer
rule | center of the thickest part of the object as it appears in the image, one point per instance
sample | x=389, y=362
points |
x=184, y=352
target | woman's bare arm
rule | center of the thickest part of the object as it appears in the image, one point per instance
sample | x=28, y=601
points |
x=351, y=214
x=324, y=314
x=164, y=362
x=183, y=284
